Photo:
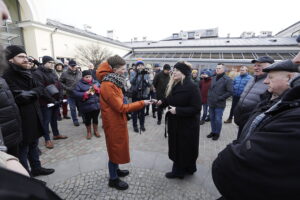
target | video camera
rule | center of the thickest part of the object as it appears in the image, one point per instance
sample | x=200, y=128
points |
x=144, y=71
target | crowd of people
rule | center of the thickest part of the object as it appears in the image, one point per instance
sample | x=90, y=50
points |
x=261, y=163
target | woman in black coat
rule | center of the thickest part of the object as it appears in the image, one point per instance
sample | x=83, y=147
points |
x=183, y=118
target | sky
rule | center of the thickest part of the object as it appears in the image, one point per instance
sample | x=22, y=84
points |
x=158, y=19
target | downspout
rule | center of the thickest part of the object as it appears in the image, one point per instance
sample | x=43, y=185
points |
x=52, y=43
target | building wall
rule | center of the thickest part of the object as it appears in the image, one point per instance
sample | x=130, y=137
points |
x=38, y=42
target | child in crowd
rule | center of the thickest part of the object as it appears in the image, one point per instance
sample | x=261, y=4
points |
x=87, y=93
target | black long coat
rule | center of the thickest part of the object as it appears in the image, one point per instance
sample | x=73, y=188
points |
x=183, y=127
x=10, y=120
x=31, y=115
x=266, y=164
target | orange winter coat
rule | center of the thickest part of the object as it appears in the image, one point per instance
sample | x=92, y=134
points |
x=114, y=118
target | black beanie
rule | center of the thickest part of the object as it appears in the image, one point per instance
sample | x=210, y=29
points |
x=86, y=72
x=12, y=51
x=46, y=59
x=183, y=68
x=167, y=67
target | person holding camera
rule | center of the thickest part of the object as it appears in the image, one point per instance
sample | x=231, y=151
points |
x=26, y=92
x=140, y=83
x=52, y=94
x=87, y=93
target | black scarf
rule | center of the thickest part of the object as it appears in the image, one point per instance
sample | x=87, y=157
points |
x=26, y=73
x=117, y=79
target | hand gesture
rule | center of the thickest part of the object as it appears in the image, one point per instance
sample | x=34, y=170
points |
x=172, y=110
x=147, y=102
x=158, y=102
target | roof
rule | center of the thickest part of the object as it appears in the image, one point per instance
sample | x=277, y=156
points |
x=82, y=32
x=217, y=42
x=288, y=27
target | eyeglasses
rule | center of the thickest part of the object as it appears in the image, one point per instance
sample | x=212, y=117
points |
x=23, y=57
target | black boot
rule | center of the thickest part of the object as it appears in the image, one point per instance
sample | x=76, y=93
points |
x=172, y=175
x=154, y=116
x=136, y=129
x=210, y=135
x=122, y=173
x=41, y=171
x=118, y=184
x=143, y=128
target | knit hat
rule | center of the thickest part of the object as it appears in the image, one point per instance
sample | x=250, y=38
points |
x=12, y=51
x=183, y=68
x=139, y=63
x=86, y=72
x=167, y=67
x=72, y=63
x=46, y=59
x=58, y=62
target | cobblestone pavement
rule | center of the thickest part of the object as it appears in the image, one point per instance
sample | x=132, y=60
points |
x=81, y=165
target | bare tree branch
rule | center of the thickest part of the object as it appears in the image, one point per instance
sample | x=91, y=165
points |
x=93, y=53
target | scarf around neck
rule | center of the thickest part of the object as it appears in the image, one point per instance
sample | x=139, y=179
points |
x=117, y=79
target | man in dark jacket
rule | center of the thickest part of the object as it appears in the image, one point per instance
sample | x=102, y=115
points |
x=160, y=83
x=251, y=94
x=50, y=98
x=238, y=85
x=140, y=83
x=219, y=91
x=68, y=81
x=264, y=162
x=26, y=92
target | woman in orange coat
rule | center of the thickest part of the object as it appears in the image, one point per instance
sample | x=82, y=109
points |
x=114, y=120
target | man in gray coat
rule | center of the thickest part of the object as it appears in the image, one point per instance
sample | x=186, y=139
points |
x=219, y=91
x=252, y=92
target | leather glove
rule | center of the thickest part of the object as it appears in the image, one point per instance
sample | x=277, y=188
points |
x=25, y=97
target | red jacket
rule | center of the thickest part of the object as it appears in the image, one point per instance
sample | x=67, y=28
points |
x=204, y=86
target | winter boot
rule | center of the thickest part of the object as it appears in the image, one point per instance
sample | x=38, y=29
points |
x=96, y=133
x=89, y=132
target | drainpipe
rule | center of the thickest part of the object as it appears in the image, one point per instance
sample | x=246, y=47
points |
x=52, y=43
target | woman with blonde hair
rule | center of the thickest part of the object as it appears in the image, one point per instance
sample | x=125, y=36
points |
x=114, y=120
x=183, y=117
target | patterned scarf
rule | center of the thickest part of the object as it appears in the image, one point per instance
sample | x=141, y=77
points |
x=117, y=79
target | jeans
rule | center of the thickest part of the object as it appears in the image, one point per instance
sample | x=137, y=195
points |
x=153, y=96
x=160, y=112
x=112, y=168
x=30, y=152
x=216, y=115
x=140, y=114
x=50, y=117
x=235, y=100
x=205, y=109
x=72, y=105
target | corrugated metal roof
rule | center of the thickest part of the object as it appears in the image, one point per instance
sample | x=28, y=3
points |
x=218, y=42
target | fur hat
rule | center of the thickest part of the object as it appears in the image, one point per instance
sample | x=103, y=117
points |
x=86, y=72
x=183, y=68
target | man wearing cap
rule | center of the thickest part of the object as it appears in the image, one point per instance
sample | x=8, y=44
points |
x=251, y=94
x=264, y=162
x=52, y=94
x=160, y=83
x=68, y=81
x=220, y=89
x=140, y=84
x=26, y=92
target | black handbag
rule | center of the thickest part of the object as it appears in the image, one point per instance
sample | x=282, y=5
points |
x=52, y=89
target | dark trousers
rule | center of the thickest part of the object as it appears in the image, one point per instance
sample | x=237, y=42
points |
x=160, y=112
x=235, y=101
x=140, y=114
x=72, y=105
x=64, y=108
x=29, y=152
x=152, y=95
x=205, y=111
x=50, y=117
x=91, y=116
x=112, y=168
